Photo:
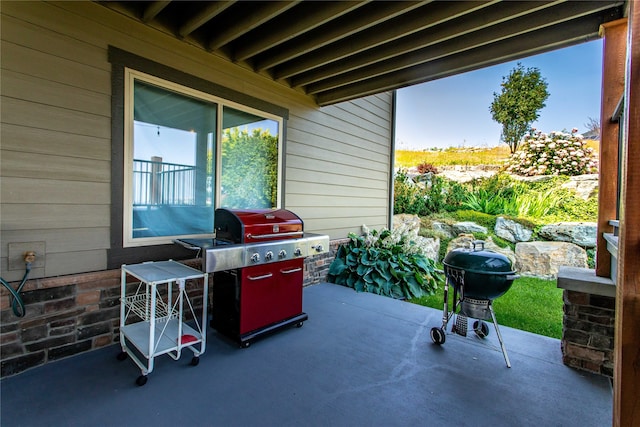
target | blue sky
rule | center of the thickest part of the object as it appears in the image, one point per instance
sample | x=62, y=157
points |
x=454, y=111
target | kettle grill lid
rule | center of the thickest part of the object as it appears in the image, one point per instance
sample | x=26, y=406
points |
x=478, y=260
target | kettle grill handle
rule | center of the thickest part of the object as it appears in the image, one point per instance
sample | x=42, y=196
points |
x=512, y=276
x=478, y=243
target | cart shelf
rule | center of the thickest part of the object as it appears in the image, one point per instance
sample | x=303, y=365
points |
x=138, y=334
x=139, y=304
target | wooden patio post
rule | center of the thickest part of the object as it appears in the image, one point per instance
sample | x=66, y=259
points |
x=626, y=387
x=614, y=34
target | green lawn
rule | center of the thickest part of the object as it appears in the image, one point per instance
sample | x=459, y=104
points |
x=533, y=305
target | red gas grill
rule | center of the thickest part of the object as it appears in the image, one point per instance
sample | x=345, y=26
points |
x=257, y=259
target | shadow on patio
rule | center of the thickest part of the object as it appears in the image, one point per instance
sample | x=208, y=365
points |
x=360, y=359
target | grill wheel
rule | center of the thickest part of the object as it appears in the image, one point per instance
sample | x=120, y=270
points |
x=437, y=335
x=481, y=329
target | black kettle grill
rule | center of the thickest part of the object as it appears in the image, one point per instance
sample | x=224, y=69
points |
x=478, y=277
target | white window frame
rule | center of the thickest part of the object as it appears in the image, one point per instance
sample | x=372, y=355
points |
x=130, y=76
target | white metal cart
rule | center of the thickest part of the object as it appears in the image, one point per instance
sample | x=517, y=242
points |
x=152, y=322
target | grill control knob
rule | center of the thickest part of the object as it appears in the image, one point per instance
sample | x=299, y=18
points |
x=318, y=248
x=268, y=256
x=255, y=257
x=282, y=254
x=297, y=252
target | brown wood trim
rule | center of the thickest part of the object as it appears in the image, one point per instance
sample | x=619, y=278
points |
x=626, y=393
x=614, y=48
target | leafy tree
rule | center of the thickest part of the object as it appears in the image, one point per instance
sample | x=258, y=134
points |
x=516, y=106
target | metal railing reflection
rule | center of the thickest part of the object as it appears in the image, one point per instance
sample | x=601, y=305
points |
x=159, y=183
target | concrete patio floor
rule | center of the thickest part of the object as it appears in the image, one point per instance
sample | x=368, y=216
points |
x=360, y=360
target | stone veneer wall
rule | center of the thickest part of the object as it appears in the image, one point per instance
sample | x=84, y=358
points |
x=68, y=315
x=588, y=332
x=316, y=268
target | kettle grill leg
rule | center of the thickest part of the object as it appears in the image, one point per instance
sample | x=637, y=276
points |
x=495, y=324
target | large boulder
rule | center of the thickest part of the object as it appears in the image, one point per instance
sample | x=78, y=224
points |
x=543, y=259
x=430, y=246
x=466, y=241
x=583, y=185
x=512, y=231
x=412, y=222
x=445, y=229
x=579, y=233
x=467, y=227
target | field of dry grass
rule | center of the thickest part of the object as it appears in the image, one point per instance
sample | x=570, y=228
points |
x=464, y=156
x=468, y=156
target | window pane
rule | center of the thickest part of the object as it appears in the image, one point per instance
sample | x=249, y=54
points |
x=173, y=140
x=249, y=169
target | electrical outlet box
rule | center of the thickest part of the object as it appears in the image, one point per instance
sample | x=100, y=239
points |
x=17, y=251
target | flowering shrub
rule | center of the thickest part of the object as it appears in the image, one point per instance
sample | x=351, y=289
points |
x=557, y=153
x=390, y=263
x=402, y=238
x=427, y=168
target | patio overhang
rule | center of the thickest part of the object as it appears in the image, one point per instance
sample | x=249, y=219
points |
x=338, y=51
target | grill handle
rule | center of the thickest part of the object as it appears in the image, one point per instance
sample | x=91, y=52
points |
x=293, y=270
x=269, y=236
x=512, y=276
x=477, y=243
x=264, y=276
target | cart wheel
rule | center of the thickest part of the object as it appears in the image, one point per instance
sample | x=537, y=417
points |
x=245, y=344
x=437, y=335
x=481, y=329
x=141, y=380
x=195, y=361
x=122, y=356
x=299, y=324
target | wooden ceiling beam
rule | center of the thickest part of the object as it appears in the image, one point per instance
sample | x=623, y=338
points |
x=369, y=18
x=253, y=19
x=325, y=12
x=421, y=19
x=492, y=15
x=212, y=10
x=153, y=9
x=543, y=40
x=492, y=34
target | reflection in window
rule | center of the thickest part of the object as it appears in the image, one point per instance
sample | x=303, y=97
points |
x=172, y=169
x=182, y=162
x=249, y=168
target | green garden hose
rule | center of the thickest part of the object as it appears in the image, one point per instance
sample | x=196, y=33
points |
x=17, y=305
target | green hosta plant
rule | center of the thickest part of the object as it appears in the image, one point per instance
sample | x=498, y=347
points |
x=390, y=263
